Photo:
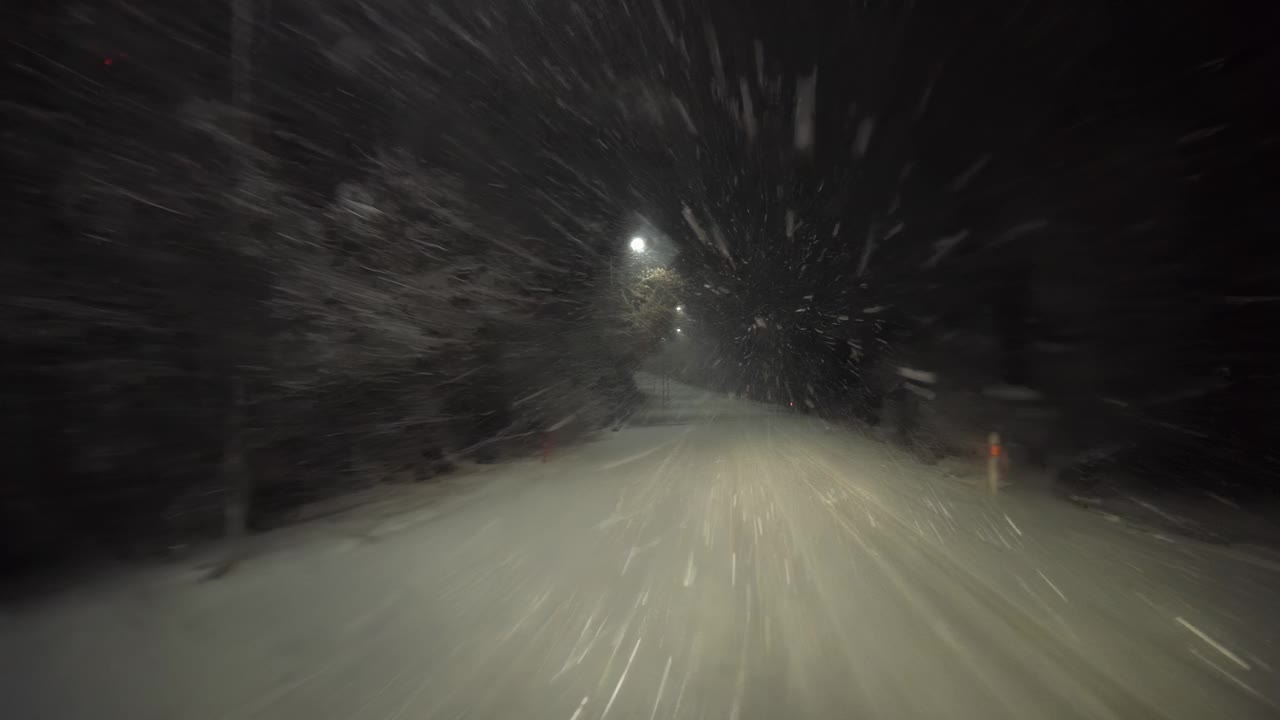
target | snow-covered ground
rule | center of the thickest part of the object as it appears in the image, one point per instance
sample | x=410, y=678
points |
x=715, y=558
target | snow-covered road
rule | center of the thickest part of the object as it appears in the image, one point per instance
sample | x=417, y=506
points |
x=716, y=559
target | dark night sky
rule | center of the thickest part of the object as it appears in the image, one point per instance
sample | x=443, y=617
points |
x=1113, y=145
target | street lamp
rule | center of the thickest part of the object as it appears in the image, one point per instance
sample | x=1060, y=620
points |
x=637, y=244
x=679, y=308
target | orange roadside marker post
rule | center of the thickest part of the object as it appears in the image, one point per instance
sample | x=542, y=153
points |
x=994, y=461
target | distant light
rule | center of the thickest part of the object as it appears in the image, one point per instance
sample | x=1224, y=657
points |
x=679, y=330
x=679, y=308
x=637, y=244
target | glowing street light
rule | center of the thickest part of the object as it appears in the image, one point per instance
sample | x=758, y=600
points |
x=637, y=244
x=679, y=330
x=679, y=308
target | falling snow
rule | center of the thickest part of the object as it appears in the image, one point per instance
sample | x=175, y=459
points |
x=396, y=360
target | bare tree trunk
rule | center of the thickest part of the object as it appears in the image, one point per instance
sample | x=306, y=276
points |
x=239, y=483
x=241, y=83
x=1012, y=311
x=666, y=381
x=235, y=472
